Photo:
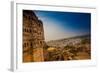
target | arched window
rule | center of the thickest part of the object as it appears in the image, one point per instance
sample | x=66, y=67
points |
x=39, y=24
x=41, y=42
x=27, y=44
x=31, y=44
x=25, y=29
x=30, y=30
x=24, y=45
x=29, y=17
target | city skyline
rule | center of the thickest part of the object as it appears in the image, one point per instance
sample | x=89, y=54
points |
x=58, y=25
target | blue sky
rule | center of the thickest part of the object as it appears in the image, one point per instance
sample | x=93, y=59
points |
x=58, y=25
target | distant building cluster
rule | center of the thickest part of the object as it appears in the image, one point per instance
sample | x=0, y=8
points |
x=33, y=37
x=62, y=43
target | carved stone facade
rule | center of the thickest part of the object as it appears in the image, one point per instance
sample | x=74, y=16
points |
x=33, y=37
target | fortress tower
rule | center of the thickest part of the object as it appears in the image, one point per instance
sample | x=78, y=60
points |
x=33, y=37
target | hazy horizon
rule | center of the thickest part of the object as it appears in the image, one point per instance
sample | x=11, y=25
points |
x=58, y=25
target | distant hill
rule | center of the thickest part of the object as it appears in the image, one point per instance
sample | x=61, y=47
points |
x=67, y=41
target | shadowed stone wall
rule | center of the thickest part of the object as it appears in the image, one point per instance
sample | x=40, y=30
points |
x=33, y=37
